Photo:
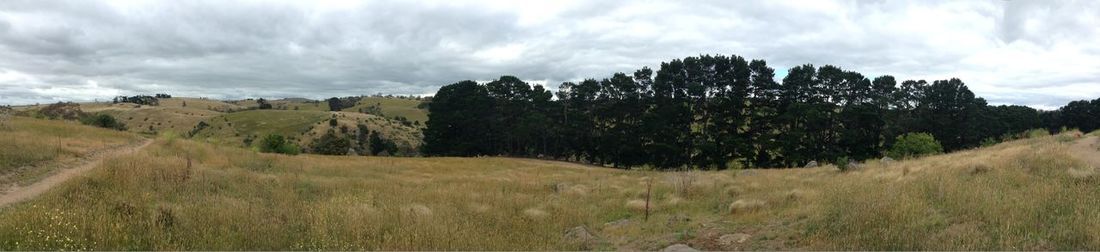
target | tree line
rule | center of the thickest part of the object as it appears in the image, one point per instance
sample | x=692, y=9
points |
x=722, y=111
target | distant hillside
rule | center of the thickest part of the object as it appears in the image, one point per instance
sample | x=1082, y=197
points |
x=241, y=123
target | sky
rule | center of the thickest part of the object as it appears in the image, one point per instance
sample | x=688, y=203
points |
x=1036, y=53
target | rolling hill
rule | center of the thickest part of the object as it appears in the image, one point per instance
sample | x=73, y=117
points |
x=1031, y=194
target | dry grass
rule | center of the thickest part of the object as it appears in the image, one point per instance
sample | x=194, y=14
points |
x=32, y=148
x=1024, y=197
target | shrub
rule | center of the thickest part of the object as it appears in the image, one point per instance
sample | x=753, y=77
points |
x=913, y=145
x=842, y=163
x=1036, y=133
x=331, y=144
x=103, y=121
x=989, y=141
x=277, y=144
x=332, y=122
x=63, y=110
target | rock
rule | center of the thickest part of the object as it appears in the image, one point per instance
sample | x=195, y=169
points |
x=746, y=205
x=887, y=160
x=579, y=234
x=535, y=213
x=854, y=165
x=352, y=152
x=811, y=164
x=616, y=224
x=731, y=239
x=679, y=248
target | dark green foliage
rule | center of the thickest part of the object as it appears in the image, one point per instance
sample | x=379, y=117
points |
x=198, y=127
x=914, y=145
x=379, y=144
x=338, y=104
x=277, y=144
x=140, y=99
x=263, y=104
x=1083, y=115
x=331, y=144
x=332, y=122
x=716, y=111
x=459, y=121
x=103, y=121
x=842, y=163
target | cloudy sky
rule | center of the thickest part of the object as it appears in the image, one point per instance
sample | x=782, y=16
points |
x=1036, y=53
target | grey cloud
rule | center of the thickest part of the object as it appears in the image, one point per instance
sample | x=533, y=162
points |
x=223, y=49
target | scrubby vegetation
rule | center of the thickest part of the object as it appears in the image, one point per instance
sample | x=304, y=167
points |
x=277, y=144
x=914, y=145
x=103, y=121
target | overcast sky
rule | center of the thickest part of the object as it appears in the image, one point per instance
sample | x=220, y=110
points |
x=1037, y=53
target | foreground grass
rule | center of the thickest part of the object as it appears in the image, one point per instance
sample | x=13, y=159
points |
x=31, y=148
x=1027, y=194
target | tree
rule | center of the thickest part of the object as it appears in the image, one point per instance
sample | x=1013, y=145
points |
x=379, y=144
x=275, y=143
x=103, y=121
x=331, y=144
x=263, y=104
x=914, y=145
x=720, y=112
x=457, y=123
x=334, y=104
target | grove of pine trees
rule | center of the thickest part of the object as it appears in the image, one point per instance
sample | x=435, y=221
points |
x=719, y=112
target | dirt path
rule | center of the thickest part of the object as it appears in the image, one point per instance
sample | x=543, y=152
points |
x=1087, y=150
x=27, y=192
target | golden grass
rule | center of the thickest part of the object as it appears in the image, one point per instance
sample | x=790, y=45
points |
x=32, y=148
x=1014, y=196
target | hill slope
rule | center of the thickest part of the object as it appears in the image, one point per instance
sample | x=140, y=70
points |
x=1026, y=194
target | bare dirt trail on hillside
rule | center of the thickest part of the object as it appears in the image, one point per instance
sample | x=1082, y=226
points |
x=1087, y=150
x=20, y=194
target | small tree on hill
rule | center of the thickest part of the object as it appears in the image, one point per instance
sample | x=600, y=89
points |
x=277, y=144
x=103, y=121
x=379, y=145
x=263, y=103
x=914, y=145
x=331, y=144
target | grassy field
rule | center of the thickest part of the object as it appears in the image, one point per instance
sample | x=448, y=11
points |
x=392, y=107
x=231, y=128
x=1023, y=195
x=32, y=148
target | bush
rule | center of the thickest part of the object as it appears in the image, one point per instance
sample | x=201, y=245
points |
x=63, y=110
x=914, y=145
x=103, y=121
x=331, y=144
x=842, y=163
x=277, y=144
x=1037, y=133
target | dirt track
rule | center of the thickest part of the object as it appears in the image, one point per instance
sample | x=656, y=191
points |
x=24, y=193
x=1087, y=150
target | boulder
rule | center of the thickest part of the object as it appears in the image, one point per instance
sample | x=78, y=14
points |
x=886, y=160
x=579, y=234
x=679, y=248
x=811, y=164
x=732, y=239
